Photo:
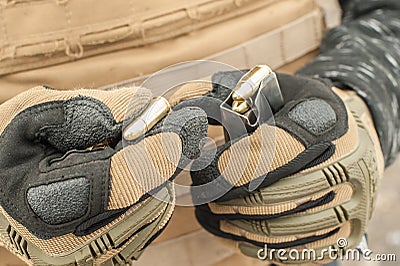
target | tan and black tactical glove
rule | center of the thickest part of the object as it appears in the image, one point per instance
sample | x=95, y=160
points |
x=79, y=182
x=302, y=180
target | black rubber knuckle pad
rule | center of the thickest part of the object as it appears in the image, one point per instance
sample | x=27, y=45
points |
x=87, y=122
x=60, y=202
x=190, y=123
x=315, y=115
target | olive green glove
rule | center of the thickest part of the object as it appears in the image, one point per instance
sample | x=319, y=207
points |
x=303, y=180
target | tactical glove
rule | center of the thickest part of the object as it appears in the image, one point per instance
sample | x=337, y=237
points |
x=73, y=191
x=299, y=181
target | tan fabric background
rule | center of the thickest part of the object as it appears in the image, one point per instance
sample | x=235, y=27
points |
x=57, y=31
x=124, y=64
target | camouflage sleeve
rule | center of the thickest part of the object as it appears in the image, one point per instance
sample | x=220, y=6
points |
x=363, y=54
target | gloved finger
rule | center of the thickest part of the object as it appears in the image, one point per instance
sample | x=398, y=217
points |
x=207, y=96
x=79, y=119
x=299, y=232
x=116, y=100
x=269, y=203
x=279, y=232
x=307, y=189
x=158, y=156
x=91, y=117
x=189, y=91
